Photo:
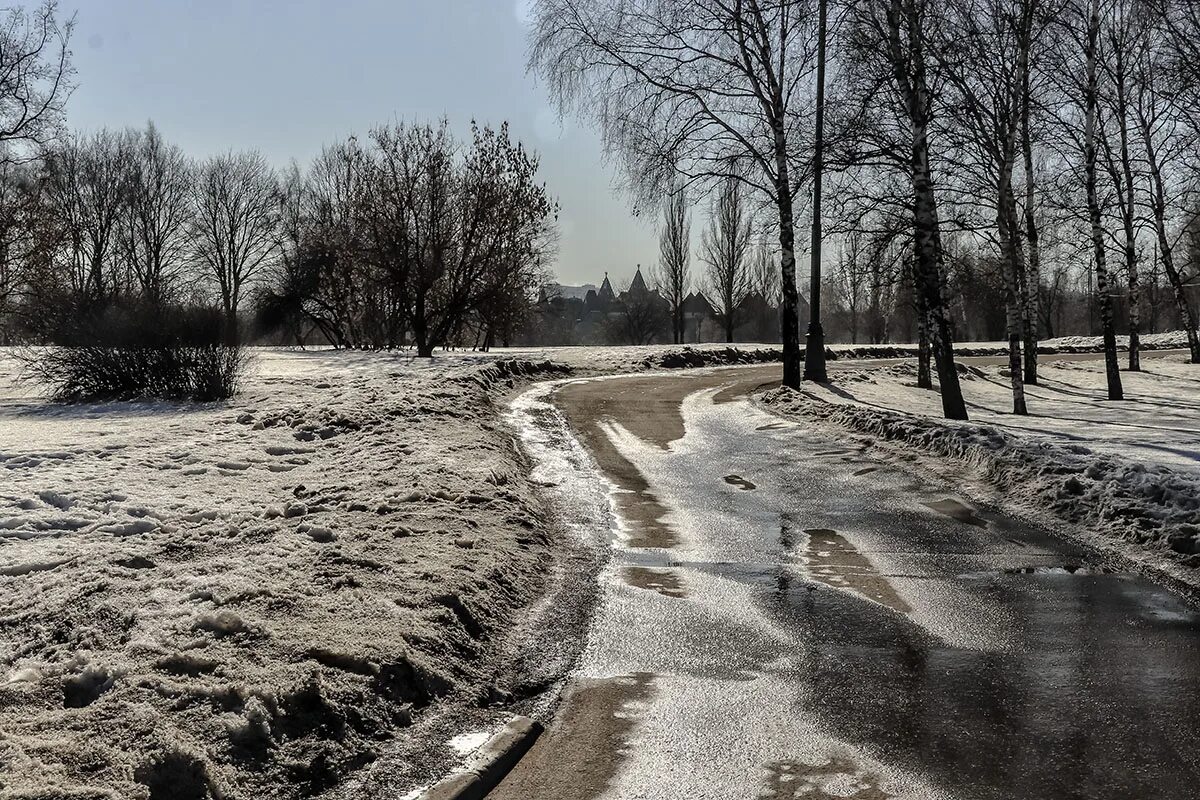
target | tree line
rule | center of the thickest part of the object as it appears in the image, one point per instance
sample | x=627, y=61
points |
x=409, y=237
x=404, y=239
x=984, y=141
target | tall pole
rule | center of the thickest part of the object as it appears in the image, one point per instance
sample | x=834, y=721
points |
x=814, y=348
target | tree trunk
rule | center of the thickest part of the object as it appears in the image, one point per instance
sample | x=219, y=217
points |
x=790, y=313
x=924, y=378
x=1013, y=272
x=1111, y=364
x=1032, y=278
x=231, y=327
x=1128, y=210
x=928, y=239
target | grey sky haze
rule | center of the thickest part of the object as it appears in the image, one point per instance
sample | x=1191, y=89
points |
x=286, y=77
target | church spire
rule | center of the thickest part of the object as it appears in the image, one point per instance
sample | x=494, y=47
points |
x=606, y=290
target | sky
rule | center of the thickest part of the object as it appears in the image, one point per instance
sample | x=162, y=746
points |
x=288, y=76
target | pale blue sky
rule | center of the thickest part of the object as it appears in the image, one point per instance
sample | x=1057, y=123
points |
x=286, y=77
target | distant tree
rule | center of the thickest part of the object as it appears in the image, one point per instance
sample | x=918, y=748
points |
x=456, y=233
x=724, y=247
x=155, y=224
x=674, y=252
x=88, y=183
x=35, y=75
x=850, y=281
x=234, y=230
x=704, y=90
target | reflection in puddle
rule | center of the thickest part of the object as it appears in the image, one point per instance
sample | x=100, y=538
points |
x=663, y=581
x=956, y=510
x=1066, y=569
x=832, y=560
x=836, y=780
x=740, y=482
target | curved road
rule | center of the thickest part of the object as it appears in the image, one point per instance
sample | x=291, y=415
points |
x=785, y=616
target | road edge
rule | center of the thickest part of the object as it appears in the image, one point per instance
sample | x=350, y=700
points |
x=489, y=764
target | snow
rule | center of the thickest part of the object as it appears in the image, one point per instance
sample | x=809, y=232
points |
x=1123, y=475
x=248, y=598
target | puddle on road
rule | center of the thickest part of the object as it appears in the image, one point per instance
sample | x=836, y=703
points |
x=663, y=581
x=955, y=510
x=1064, y=569
x=583, y=749
x=838, y=779
x=832, y=560
x=740, y=482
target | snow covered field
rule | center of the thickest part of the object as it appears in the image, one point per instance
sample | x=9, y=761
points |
x=1125, y=474
x=248, y=598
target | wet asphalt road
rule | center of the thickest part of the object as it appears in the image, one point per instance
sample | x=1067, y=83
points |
x=785, y=616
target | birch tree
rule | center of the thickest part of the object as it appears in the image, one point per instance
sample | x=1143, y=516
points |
x=985, y=55
x=887, y=41
x=1165, y=139
x=701, y=91
x=1087, y=19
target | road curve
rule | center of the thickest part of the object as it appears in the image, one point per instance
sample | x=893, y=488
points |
x=786, y=616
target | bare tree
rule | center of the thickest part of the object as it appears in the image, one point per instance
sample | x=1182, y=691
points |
x=674, y=252
x=888, y=64
x=641, y=319
x=234, y=228
x=1123, y=36
x=453, y=232
x=156, y=221
x=1087, y=28
x=985, y=55
x=1164, y=134
x=724, y=247
x=703, y=90
x=88, y=185
x=35, y=75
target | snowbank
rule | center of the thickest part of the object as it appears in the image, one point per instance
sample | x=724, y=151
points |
x=1085, y=472
x=249, y=598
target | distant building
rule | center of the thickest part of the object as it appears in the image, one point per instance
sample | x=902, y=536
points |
x=590, y=314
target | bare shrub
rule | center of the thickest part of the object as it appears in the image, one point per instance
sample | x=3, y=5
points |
x=136, y=350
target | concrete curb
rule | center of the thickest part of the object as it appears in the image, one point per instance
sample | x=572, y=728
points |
x=489, y=764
